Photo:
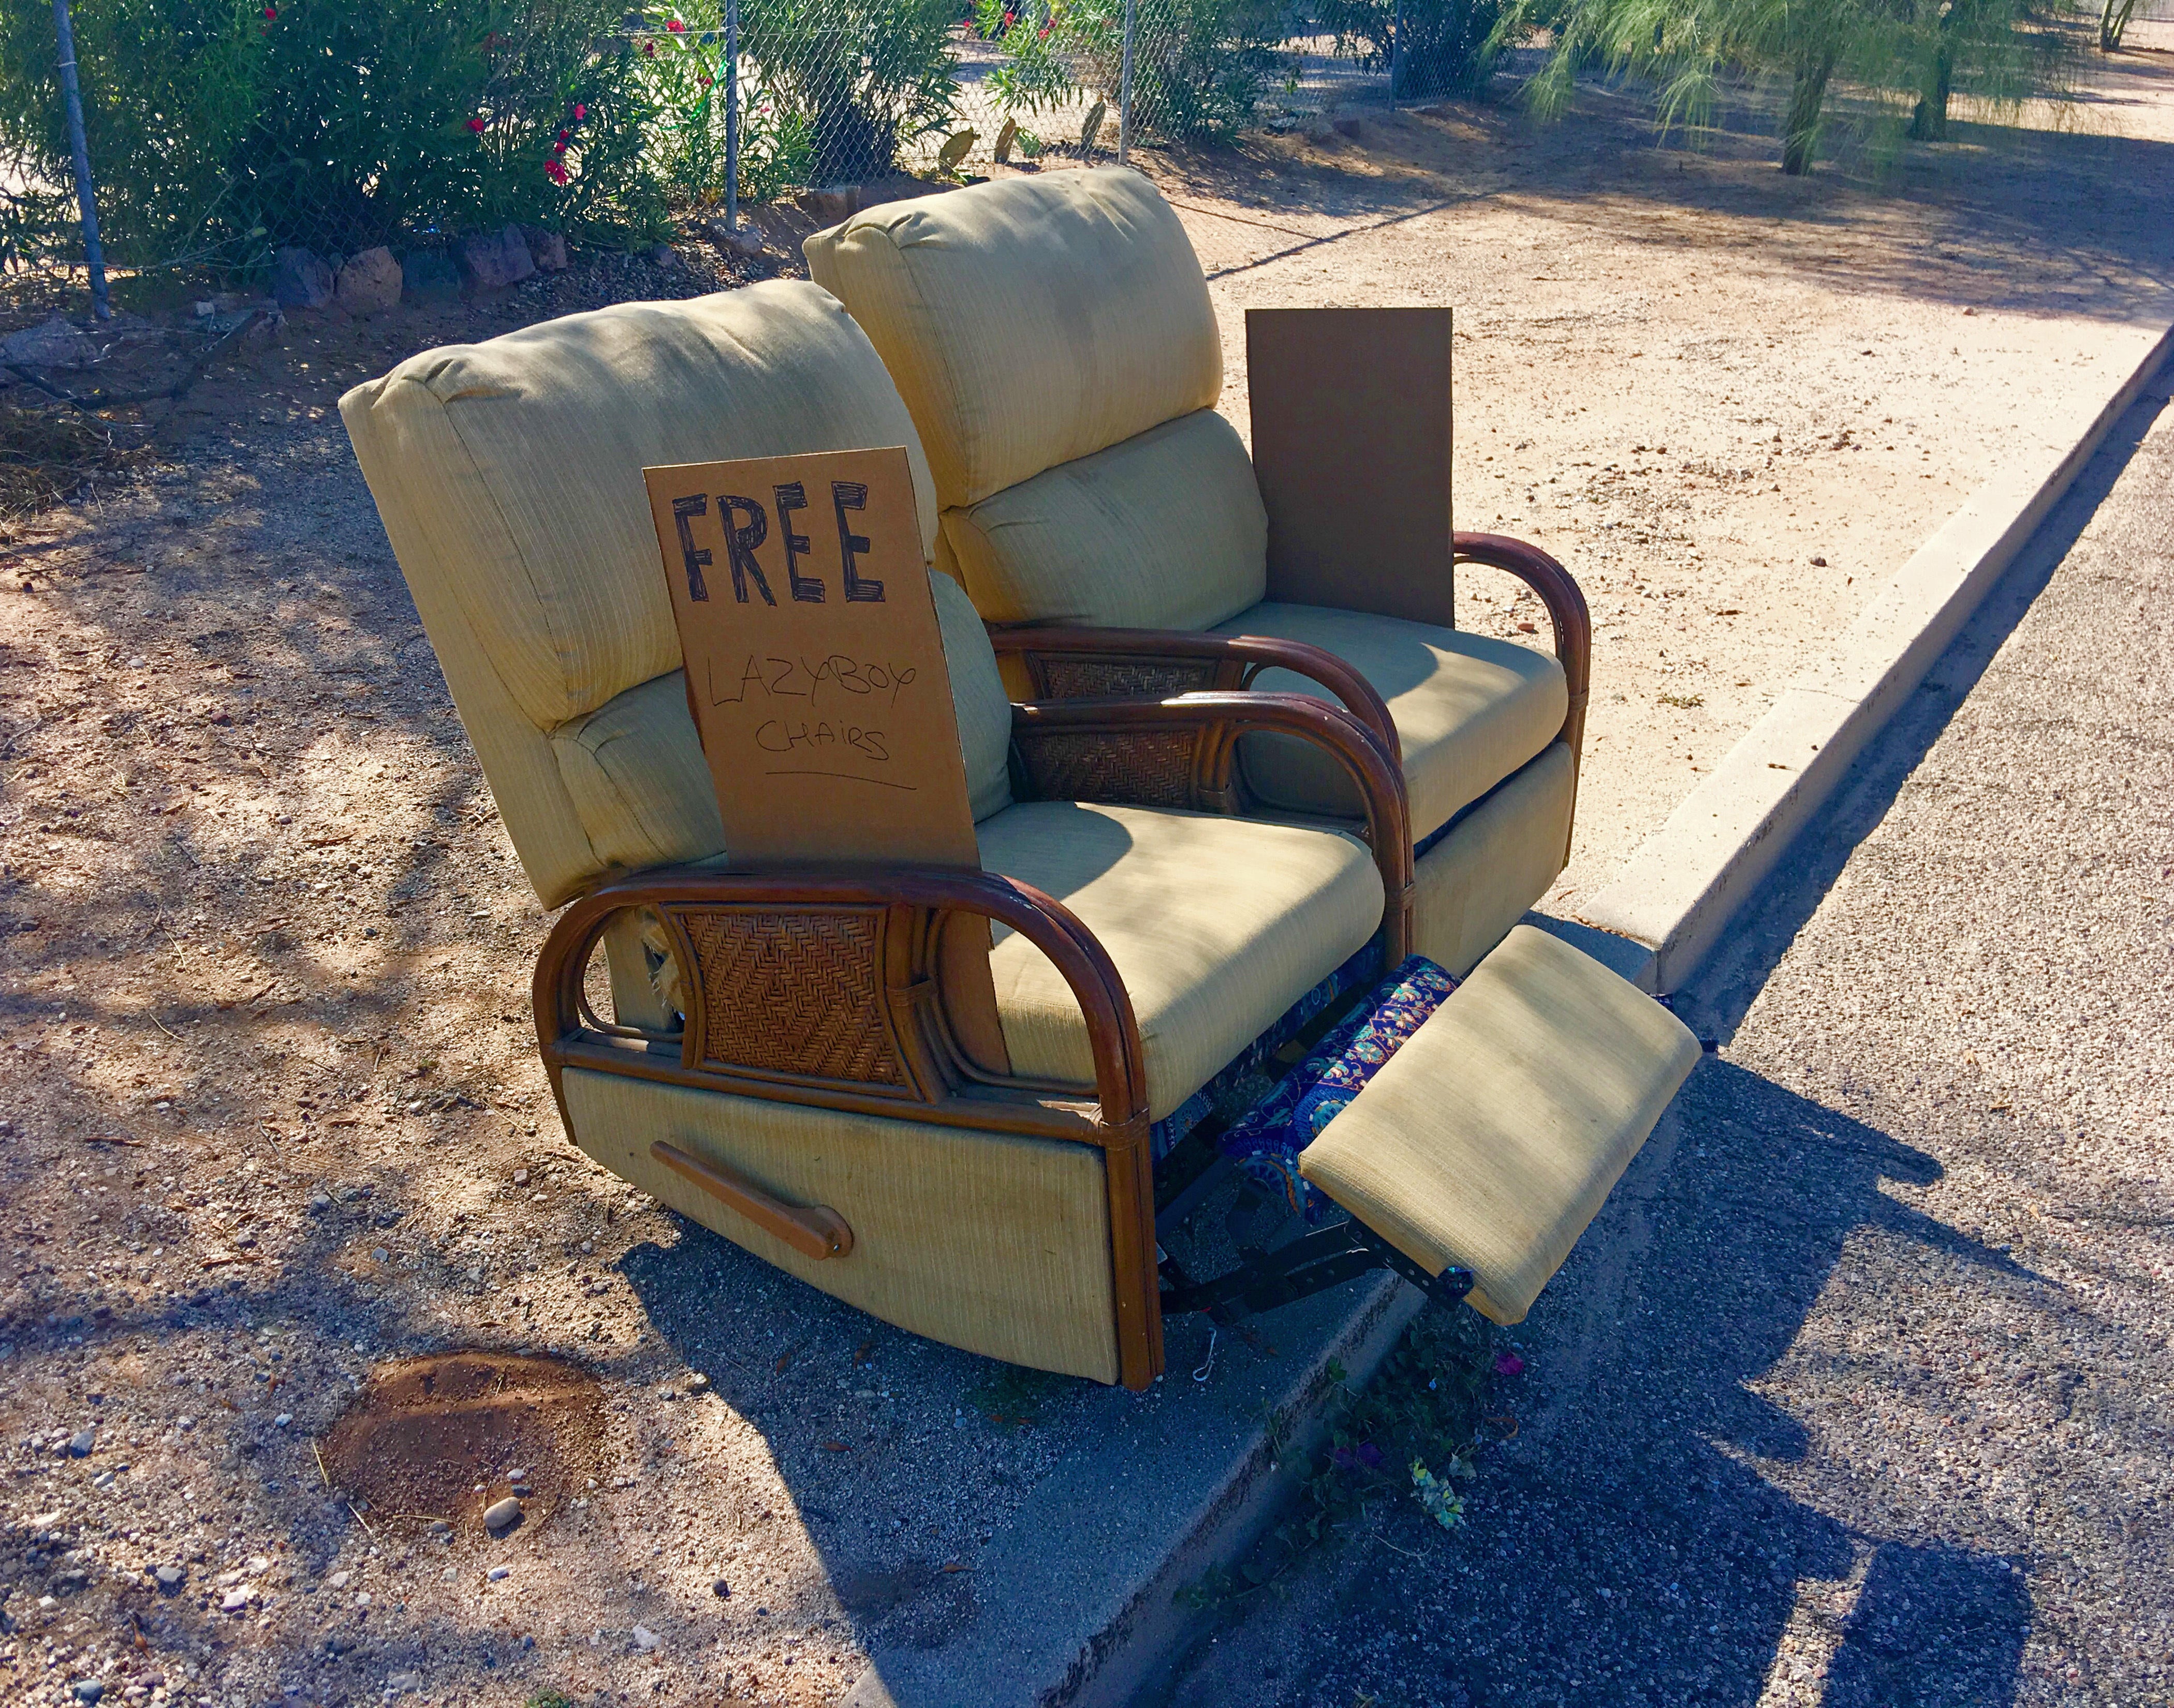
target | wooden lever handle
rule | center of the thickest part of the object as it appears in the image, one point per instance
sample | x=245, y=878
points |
x=813, y=1230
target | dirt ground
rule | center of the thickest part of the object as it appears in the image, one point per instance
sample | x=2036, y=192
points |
x=272, y=1119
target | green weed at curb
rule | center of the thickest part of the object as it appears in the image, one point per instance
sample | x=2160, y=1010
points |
x=1423, y=1409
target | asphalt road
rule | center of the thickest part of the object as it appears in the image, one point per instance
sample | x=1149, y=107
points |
x=1861, y=1391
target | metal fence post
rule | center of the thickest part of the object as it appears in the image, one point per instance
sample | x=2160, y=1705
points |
x=1125, y=90
x=731, y=115
x=86, y=197
x=1396, y=54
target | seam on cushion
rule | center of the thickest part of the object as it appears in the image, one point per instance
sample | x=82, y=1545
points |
x=921, y=310
x=482, y=652
x=528, y=579
x=657, y=854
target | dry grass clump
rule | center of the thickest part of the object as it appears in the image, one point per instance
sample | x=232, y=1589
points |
x=46, y=455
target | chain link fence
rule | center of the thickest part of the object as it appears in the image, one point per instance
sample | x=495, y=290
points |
x=218, y=138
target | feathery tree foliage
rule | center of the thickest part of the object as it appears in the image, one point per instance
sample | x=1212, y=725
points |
x=1906, y=56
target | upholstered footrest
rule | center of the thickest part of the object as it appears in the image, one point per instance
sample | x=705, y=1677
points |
x=1495, y=1134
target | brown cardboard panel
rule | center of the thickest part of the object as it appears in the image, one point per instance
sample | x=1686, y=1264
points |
x=1351, y=444
x=815, y=663
x=816, y=675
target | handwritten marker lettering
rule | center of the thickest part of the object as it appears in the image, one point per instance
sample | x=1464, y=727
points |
x=844, y=496
x=792, y=496
x=695, y=557
x=741, y=542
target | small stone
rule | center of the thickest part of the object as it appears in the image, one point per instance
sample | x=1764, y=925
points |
x=1348, y=127
x=645, y=1639
x=82, y=1444
x=502, y=1514
x=745, y=241
x=404, y=1681
x=56, y=343
x=89, y=1690
x=698, y=1383
x=338, y=1580
x=300, y=279
x=170, y=1578
x=721, y=1589
x=833, y=201
x=319, y=1203
x=370, y=282
x=521, y=1176
x=547, y=249
x=236, y=1599
x=260, y=1562
x=519, y=1476
x=378, y=1254
x=282, y=1420
x=498, y=1573
x=428, y=275
x=494, y=260
x=362, y=1598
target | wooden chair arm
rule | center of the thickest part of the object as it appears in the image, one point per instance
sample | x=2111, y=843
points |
x=1182, y=751
x=1567, y=613
x=864, y=948
x=1068, y=662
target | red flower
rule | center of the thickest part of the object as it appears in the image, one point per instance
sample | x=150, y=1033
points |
x=580, y=113
x=705, y=80
x=675, y=26
x=476, y=124
x=271, y=11
x=555, y=172
x=558, y=148
x=563, y=135
x=649, y=50
x=1042, y=34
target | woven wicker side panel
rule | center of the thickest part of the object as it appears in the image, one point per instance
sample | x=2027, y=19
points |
x=795, y=992
x=1146, y=769
x=1075, y=678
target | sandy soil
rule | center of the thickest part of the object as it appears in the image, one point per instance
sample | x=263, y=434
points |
x=1731, y=403
x=273, y=1118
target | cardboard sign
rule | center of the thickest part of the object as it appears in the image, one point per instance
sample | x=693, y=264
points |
x=815, y=665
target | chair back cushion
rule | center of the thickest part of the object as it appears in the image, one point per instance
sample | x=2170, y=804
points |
x=508, y=475
x=1030, y=321
x=1165, y=529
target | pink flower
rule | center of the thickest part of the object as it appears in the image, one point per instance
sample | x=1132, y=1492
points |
x=476, y=124
x=580, y=113
x=1508, y=1363
x=563, y=135
x=558, y=148
x=675, y=26
x=555, y=172
x=271, y=11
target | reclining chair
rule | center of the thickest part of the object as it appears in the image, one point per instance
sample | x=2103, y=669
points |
x=781, y=1064
x=1053, y=337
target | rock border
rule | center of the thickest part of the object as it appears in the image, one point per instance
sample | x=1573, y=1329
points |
x=1660, y=917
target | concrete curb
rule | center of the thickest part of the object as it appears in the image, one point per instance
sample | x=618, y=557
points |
x=1669, y=904
x=1077, y=1599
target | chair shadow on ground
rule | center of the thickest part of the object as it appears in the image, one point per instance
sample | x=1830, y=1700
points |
x=1647, y=1489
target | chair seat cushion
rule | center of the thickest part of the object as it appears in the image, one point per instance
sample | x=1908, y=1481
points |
x=1468, y=710
x=1495, y=1135
x=1217, y=926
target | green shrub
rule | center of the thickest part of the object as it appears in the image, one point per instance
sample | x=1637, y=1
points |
x=1448, y=46
x=220, y=130
x=1198, y=66
x=854, y=80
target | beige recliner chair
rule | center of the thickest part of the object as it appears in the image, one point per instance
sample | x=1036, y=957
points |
x=1053, y=337
x=784, y=1063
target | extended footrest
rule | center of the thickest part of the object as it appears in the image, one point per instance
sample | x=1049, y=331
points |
x=1472, y=1148
x=1492, y=1137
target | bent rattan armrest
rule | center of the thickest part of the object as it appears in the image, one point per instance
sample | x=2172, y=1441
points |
x=866, y=1031
x=1560, y=593
x=1182, y=751
x=1070, y=663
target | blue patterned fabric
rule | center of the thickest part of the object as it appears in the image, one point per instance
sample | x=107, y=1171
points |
x=1362, y=968
x=1265, y=1142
